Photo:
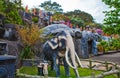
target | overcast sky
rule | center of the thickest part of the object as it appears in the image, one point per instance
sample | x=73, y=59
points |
x=93, y=7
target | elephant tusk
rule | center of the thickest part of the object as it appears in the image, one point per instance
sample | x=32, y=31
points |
x=66, y=57
x=78, y=60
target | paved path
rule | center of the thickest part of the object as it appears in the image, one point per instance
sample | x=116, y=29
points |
x=113, y=57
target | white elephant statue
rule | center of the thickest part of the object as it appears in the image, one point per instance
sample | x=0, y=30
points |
x=54, y=49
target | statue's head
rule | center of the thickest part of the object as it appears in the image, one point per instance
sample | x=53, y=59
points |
x=78, y=35
x=61, y=36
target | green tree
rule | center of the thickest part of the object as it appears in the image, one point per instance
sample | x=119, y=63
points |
x=77, y=21
x=10, y=10
x=51, y=6
x=1, y=6
x=81, y=17
x=112, y=17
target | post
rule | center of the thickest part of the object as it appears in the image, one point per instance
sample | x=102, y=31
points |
x=118, y=74
x=43, y=69
x=90, y=65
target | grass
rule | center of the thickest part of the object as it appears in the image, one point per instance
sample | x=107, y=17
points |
x=82, y=71
x=29, y=70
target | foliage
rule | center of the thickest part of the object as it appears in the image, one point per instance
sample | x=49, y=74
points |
x=51, y=6
x=29, y=35
x=81, y=16
x=82, y=71
x=27, y=53
x=2, y=8
x=112, y=17
x=13, y=17
x=10, y=10
x=103, y=44
x=77, y=21
x=115, y=44
x=35, y=19
x=59, y=16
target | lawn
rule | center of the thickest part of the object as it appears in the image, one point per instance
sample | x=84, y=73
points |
x=82, y=71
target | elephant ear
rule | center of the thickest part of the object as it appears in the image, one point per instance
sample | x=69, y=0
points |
x=53, y=43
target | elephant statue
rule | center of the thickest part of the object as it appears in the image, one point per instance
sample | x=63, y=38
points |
x=61, y=47
x=88, y=43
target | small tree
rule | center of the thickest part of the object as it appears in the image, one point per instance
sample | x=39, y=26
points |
x=59, y=16
x=112, y=17
x=28, y=36
x=115, y=44
x=51, y=6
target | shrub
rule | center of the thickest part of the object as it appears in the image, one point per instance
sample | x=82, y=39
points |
x=29, y=36
x=35, y=19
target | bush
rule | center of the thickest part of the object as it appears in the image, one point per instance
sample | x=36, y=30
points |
x=29, y=36
x=35, y=19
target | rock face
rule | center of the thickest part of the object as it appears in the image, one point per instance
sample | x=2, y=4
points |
x=15, y=48
x=2, y=31
x=10, y=32
x=7, y=66
x=12, y=48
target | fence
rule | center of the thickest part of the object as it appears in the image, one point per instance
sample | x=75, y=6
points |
x=109, y=68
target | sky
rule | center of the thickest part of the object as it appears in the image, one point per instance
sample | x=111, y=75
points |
x=93, y=7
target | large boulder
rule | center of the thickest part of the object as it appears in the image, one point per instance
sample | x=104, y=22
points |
x=10, y=32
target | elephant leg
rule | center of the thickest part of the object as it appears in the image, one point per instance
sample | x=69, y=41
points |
x=84, y=48
x=66, y=67
x=52, y=65
x=56, y=65
x=94, y=48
